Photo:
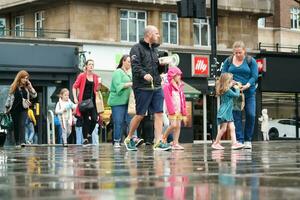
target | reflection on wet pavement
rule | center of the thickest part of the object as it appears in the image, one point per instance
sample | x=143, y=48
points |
x=268, y=171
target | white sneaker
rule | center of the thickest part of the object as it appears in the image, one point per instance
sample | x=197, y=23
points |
x=117, y=145
x=248, y=145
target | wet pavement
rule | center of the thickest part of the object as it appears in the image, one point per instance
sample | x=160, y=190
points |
x=271, y=170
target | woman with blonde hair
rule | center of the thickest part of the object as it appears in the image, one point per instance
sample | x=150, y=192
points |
x=17, y=104
x=244, y=70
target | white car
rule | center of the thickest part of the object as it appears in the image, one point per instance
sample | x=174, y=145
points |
x=282, y=128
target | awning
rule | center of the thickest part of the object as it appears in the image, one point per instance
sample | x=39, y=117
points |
x=106, y=76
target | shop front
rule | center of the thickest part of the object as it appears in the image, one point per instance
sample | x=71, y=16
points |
x=278, y=92
x=51, y=67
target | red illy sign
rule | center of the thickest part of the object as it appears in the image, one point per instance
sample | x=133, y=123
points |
x=200, y=65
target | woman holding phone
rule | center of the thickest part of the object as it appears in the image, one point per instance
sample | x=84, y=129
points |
x=17, y=104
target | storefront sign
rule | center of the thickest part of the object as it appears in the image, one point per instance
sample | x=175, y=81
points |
x=261, y=65
x=200, y=65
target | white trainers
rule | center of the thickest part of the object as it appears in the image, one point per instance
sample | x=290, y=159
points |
x=117, y=145
x=248, y=145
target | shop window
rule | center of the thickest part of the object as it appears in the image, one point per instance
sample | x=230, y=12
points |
x=282, y=114
x=2, y=27
x=4, y=89
x=295, y=18
x=261, y=22
x=39, y=23
x=132, y=25
x=201, y=32
x=170, y=28
x=19, y=26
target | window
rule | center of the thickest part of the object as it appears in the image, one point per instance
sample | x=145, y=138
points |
x=295, y=18
x=170, y=28
x=201, y=32
x=132, y=25
x=19, y=26
x=261, y=22
x=2, y=26
x=38, y=23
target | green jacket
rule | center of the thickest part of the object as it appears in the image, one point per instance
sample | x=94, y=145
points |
x=119, y=95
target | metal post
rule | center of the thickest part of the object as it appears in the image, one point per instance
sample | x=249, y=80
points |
x=213, y=11
x=297, y=116
x=205, y=118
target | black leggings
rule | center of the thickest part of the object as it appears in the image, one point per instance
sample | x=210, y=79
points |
x=19, y=126
x=89, y=120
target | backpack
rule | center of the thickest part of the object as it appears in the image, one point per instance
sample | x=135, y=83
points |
x=248, y=60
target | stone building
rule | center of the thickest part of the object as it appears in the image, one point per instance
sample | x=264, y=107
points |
x=105, y=29
x=282, y=29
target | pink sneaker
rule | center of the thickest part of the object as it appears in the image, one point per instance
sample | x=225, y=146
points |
x=237, y=146
x=177, y=147
x=217, y=146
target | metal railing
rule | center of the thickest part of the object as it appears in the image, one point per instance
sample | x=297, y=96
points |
x=50, y=127
x=278, y=47
x=37, y=33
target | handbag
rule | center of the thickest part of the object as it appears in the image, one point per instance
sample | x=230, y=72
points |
x=26, y=102
x=6, y=121
x=131, y=104
x=86, y=105
x=239, y=102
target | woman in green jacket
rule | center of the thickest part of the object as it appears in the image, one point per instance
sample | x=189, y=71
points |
x=120, y=90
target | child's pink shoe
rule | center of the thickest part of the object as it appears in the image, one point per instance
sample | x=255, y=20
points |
x=177, y=147
x=217, y=146
x=237, y=146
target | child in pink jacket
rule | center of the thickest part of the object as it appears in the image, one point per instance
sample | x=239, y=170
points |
x=176, y=105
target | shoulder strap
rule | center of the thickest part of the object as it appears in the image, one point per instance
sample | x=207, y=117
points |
x=248, y=60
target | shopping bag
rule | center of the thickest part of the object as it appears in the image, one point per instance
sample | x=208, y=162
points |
x=131, y=104
x=6, y=121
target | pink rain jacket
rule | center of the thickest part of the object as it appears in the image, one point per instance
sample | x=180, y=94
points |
x=168, y=90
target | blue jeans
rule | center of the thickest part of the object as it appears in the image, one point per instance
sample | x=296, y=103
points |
x=29, y=131
x=250, y=108
x=120, y=117
x=79, y=136
x=59, y=134
x=95, y=135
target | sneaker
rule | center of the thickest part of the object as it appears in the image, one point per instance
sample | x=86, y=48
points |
x=237, y=146
x=177, y=147
x=28, y=142
x=217, y=146
x=65, y=145
x=162, y=146
x=130, y=144
x=148, y=143
x=85, y=142
x=137, y=141
x=117, y=145
x=248, y=145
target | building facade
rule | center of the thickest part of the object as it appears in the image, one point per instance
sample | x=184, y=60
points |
x=104, y=30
